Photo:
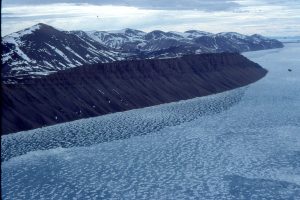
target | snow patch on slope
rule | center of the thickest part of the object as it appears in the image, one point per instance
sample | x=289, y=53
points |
x=26, y=31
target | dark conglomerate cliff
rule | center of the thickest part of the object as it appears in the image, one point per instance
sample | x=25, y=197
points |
x=98, y=89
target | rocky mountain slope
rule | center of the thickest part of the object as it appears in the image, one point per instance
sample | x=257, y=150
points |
x=98, y=89
x=42, y=49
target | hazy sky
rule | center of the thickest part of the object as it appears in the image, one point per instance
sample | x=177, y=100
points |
x=267, y=17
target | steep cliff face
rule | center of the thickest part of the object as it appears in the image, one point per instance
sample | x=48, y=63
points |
x=99, y=89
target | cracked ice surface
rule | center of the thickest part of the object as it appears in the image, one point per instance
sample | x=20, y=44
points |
x=241, y=144
x=116, y=126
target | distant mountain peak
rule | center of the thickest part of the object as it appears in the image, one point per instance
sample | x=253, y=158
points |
x=28, y=31
x=156, y=34
x=197, y=31
x=42, y=25
x=127, y=31
x=258, y=36
x=25, y=31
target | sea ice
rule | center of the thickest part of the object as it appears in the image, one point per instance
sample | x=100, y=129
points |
x=240, y=144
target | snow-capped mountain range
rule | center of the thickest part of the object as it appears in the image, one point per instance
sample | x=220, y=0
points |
x=42, y=49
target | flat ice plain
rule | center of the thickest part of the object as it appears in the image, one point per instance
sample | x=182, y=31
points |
x=240, y=144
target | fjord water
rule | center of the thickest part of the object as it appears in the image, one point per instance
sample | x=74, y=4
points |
x=249, y=149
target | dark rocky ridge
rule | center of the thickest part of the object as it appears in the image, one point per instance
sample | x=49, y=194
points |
x=98, y=89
